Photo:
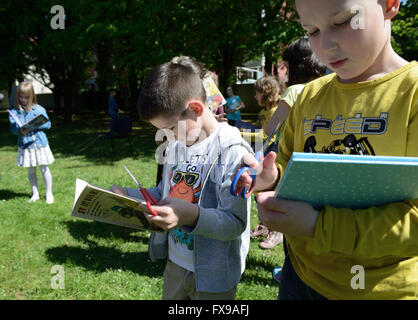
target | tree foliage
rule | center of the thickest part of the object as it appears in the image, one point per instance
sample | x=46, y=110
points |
x=405, y=30
x=123, y=39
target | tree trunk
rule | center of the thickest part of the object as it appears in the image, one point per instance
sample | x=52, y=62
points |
x=68, y=103
x=57, y=101
x=227, y=67
x=268, y=55
x=133, y=91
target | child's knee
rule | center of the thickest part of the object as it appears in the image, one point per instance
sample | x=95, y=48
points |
x=31, y=170
x=43, y=169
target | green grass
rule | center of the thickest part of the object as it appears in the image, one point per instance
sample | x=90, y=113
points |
x=100, y=261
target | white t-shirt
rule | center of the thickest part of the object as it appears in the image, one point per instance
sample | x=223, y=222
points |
x=185, y=183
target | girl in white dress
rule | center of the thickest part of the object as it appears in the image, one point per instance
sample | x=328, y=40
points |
x=33, y=145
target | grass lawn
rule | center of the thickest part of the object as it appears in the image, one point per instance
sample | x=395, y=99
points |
x=100, y=261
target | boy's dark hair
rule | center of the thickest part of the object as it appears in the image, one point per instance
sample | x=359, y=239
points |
x=167, y=88
x=303, y=64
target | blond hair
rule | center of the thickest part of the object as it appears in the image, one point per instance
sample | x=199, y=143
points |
x=271, y=89
x=25, y=87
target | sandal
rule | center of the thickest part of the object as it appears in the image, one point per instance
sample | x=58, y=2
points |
x=273, y=239
x=258, y=231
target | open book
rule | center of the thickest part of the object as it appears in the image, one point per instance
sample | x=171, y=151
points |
x=32, y=124
x=94, y=203
x=349, y=181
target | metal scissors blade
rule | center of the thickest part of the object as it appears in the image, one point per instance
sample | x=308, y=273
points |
x=133, y=177
x=149, y=199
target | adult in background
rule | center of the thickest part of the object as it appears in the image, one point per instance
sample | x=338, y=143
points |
x=113, y=110
x=233, y=106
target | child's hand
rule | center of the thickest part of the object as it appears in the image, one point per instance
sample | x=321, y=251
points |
x=119, y=190
x=172, y=213
x=221, y=117
x=295, y=218
x=24, y=131
x=267, y=172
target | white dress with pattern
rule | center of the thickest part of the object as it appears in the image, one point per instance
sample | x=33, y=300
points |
x=32, y=157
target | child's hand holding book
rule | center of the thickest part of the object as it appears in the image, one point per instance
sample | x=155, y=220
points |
x=295, y=218
x=119, y=190
x=24, y=131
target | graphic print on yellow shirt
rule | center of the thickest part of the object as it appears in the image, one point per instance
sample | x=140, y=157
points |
x=344, y=130
x=185, y=183
x=377, y=117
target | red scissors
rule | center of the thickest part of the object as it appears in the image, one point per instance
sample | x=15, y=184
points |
x=149, y=199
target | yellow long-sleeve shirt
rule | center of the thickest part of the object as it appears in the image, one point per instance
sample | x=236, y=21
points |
x=378, y=117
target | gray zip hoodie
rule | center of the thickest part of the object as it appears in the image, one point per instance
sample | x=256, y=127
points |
x=222, y=232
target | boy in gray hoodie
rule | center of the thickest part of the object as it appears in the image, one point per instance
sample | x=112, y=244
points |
x=207, y=237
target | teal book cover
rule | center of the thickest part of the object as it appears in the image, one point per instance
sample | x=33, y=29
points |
x=349, y=181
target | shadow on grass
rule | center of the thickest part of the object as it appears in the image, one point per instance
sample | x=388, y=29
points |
x=252, y=275
x=80, y=137
x=83, y=230
x=8, y=194
x=100, y=258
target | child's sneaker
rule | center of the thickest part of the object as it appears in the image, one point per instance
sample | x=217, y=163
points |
x=276, y=273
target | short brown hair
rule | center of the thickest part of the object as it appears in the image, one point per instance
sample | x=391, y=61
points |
x=271, y=89
x=167, y=88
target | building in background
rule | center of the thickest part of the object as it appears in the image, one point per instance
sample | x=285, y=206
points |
x=250, y=72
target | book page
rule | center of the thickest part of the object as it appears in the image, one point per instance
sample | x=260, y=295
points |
x=79, y=187
x=35, y=122
x=15, y=117
x=95, y=203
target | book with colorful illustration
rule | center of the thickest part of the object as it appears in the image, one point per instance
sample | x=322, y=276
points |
x=95, y=203
x=349, y=181
x=214, y=97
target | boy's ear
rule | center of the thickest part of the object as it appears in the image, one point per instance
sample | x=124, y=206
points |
x=196, y=106
x=392, y=8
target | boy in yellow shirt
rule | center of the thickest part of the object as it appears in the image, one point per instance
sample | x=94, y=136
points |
x=371, y=96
